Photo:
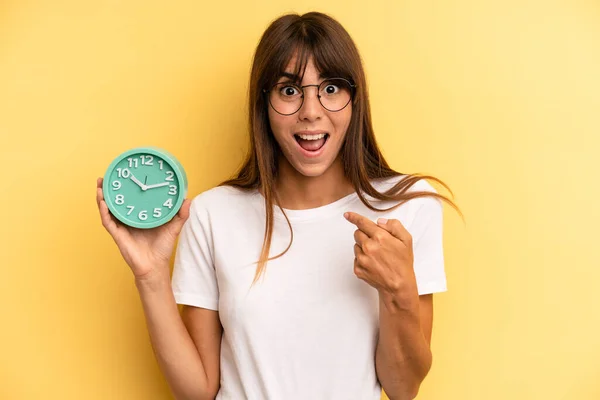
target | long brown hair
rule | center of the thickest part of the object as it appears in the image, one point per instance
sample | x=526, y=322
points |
x=334, y=54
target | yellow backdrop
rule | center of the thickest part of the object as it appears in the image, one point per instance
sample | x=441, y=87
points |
x=501, y=99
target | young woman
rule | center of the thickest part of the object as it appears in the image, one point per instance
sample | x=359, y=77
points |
x=344, y=307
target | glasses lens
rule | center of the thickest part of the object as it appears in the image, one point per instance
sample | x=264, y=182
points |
x=335, y=93
x=286, y=98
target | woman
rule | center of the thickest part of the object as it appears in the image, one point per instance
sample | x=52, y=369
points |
x=344, y=308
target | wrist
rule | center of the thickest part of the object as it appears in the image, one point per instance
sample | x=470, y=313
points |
x=156, y=279
x=397, y=301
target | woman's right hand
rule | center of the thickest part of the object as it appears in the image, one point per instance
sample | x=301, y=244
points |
x=146, y=251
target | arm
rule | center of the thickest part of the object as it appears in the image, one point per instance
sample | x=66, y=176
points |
x=187, y=347
x=403, y=356
x=388, y=259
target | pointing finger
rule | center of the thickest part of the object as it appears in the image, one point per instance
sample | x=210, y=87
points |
x=363, y=223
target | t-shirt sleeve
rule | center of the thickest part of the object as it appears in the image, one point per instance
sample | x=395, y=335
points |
x=194, y=280
x=428, y=254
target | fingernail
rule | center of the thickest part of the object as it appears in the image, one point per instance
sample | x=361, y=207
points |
x=346, y=215
x=382, y=221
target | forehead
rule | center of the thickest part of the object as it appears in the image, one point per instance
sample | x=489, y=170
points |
x=310, y=69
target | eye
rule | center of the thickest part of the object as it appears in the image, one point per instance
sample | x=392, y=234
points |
x=289, y=90
x=331, y=89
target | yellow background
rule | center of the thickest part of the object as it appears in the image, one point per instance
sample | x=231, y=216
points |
x=501, y=99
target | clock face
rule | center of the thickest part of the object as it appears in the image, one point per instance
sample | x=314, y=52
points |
x=144, y=189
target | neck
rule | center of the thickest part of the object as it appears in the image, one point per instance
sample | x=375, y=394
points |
x=299, y=192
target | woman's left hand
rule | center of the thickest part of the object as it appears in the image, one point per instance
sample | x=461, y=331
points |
x=384, y=255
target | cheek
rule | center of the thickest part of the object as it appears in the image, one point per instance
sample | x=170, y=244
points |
x=278, y=124
x=341, y=121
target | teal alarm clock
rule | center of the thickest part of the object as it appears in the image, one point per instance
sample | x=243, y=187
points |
x=145, y=187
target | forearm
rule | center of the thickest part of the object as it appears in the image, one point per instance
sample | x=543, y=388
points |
x=176, y=354
x=403, y=357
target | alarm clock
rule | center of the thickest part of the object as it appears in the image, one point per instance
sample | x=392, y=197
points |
x=145, y=187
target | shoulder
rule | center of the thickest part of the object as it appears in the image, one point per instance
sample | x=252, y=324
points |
x=222, y=197
x=216, y=194
x=383, y=184
x=418, y=211
x=422, y=185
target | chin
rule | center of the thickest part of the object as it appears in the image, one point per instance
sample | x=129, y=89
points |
x=312, y=170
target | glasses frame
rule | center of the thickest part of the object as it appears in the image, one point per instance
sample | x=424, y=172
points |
x=352, y=92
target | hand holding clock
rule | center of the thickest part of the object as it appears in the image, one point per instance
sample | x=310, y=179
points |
x=144, y=223
x=146, y=251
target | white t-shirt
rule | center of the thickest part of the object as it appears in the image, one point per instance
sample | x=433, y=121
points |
x=308, y=328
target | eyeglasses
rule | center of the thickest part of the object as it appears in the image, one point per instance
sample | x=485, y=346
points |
x=287, y=98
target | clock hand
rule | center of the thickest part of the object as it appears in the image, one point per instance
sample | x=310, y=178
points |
x=157, y=185
x=140, y=184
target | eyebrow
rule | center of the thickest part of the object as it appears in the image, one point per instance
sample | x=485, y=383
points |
x=295, y=78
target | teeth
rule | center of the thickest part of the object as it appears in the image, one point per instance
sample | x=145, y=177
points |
x=312, y=137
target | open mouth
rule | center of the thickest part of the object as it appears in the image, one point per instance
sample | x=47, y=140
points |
x=312, y=144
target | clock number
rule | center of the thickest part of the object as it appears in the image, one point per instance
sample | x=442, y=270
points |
x=168, y=203
x=172, y=189
x=123, y=173
x=170, y=175
x=147, y=159
x=157, y=213
x=160, y=162
x=130, y=209
x=120, y=199
x=133, y=162
x=116, y=185
x=143, y=215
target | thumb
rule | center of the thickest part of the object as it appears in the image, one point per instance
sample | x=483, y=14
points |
x=395, y=228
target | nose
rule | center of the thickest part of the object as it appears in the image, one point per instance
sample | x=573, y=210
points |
x=311, y=107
